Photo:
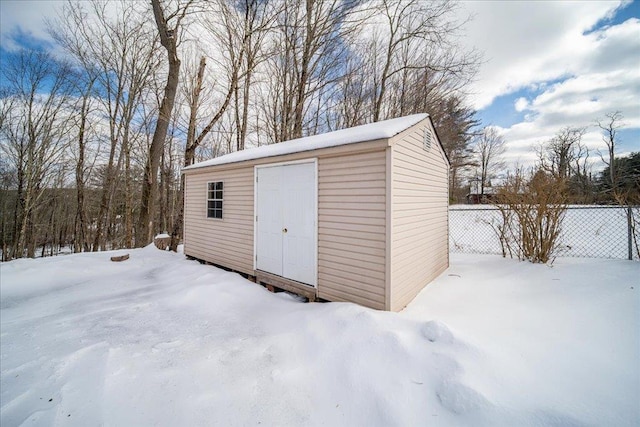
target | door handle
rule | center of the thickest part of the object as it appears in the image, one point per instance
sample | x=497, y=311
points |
x=284, y=230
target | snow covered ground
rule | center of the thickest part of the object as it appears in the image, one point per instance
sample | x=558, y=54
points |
x=160, y=340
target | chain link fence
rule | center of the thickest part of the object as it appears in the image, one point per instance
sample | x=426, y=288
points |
x=587, y=231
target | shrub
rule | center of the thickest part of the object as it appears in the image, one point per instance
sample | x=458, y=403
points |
x=532, y=209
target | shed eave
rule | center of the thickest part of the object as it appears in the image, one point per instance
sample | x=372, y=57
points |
x=274, y=156
x=373, y=131
x=336, y=150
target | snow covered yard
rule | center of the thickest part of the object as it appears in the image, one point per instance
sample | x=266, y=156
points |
x=160, y=340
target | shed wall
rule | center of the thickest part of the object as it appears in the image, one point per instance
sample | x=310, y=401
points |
x=419, y=215
x=351, y=232
x=351, y=220
x=227, y=241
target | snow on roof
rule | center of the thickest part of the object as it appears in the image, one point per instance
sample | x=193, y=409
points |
x=369, y=132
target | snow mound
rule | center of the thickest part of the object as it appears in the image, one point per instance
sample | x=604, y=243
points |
x=160, y=340
x=459, y=398
x=437, y=331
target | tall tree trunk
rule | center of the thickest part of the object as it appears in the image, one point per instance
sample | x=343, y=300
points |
x=162, y=199
x=29, y=234
x=245, y=109
x=80, y=226
x=105, y=198
x=18, y=213
x=189, y=154
x=194, y=142
x=168, y=39
x=301, y=90
x=128, y=199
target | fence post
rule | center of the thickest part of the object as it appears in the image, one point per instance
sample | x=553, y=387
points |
x=630, y=233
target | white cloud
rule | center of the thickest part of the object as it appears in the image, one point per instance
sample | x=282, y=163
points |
x=577, y=102
x=573, y=73
x=521, y=104
x=574, y=78
x=26, y=16
x=533, y=42
x=601, y=88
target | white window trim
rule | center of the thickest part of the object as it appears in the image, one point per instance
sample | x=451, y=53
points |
x=206, y=210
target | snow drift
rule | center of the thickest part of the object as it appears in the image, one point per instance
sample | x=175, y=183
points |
x=160, y=340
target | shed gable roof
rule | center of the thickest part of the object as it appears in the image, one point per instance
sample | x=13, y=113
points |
x=369, y=132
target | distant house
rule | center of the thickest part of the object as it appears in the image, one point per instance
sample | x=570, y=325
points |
x=357, y=215
x=478, y=195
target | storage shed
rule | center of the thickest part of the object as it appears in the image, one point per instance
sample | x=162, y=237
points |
x=359, y=214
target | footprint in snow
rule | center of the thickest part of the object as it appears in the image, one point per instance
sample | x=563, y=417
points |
x=437, y=331
x=459, y=398
x=167, y=345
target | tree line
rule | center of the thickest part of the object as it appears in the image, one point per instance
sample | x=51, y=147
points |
x=567, y=161
x=94, y=130
x=532, y=202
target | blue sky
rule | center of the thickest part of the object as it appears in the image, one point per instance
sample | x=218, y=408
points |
x=547, y=65
x=502, y=113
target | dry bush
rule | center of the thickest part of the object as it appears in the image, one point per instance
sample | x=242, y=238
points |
x=503, y=227
x=532, y=207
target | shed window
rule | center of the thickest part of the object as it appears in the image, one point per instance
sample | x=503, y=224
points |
x=215, y=192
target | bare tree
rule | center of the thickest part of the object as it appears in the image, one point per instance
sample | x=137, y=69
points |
x=352, y=96
x=168, y=26
x=419, y=41
x=119, y=52
x=34, y=135
x=81, y=241
x=307, y=56
x=489, y=148
x=254, y=19
x=236, y=28
x=7, y=182
x=561, y=154
x=191, y=145
x=610, y=126
x=194, y=103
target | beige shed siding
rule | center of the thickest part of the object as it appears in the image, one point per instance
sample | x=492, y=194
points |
x=351, y=220
x=382, y=231
x=351, y=232
x=227, y=241
x=419, y=216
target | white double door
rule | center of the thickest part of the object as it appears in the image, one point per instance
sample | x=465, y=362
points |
x=286, y=215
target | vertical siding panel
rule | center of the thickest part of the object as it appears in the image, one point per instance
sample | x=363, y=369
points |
x=352, y=215
x=419, y=235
